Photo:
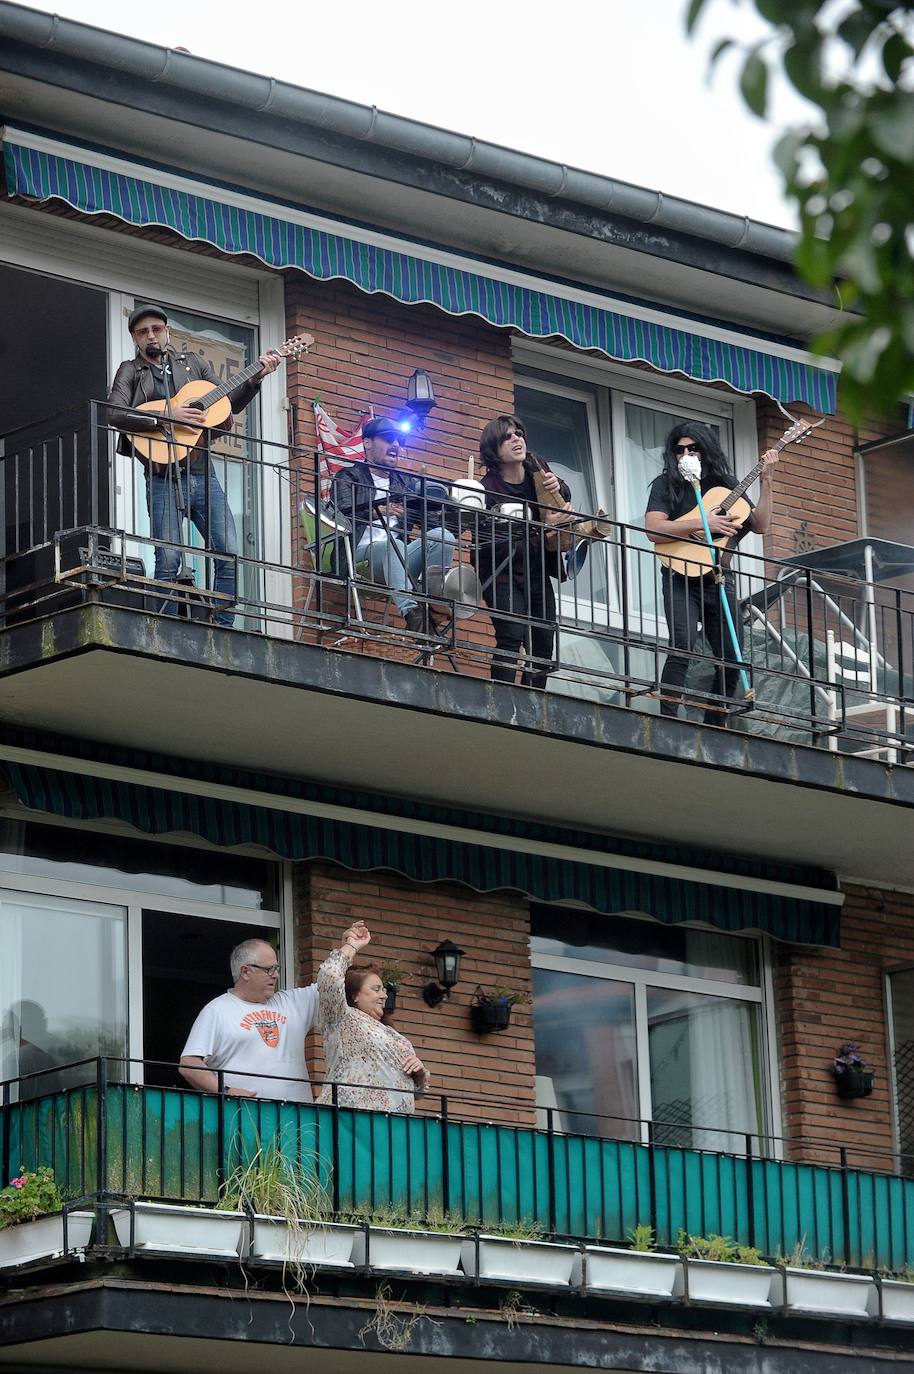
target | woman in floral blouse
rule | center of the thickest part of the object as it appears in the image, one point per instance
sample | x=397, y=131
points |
x=359, y=1048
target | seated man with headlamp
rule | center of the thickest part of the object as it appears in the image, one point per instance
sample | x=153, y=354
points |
x=395, y=530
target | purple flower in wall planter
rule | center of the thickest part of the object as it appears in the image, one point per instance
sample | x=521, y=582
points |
x=852, y=1077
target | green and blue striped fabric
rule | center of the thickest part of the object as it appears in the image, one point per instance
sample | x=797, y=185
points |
x=424, y=858
x=406, y=277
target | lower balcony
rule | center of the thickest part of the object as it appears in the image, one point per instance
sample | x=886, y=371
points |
x=438, y=1235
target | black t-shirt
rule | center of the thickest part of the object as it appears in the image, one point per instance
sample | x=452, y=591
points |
x=660, y=498
x=158, y=382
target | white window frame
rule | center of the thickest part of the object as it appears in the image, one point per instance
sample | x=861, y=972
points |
x=135, y=902
x=891, y=1046
x=641, y=979
x=129, y=269
x=695, y=400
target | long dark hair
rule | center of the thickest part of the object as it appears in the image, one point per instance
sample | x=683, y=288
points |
x=714, y=462
x=495, y=434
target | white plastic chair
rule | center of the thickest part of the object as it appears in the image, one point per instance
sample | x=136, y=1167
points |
x=854, y=666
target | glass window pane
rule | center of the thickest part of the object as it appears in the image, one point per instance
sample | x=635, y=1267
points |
x=646, y=428
x=558, y=429
x=706, y=1070
x=63, y=987
x=584, y=1030
x=684, y=950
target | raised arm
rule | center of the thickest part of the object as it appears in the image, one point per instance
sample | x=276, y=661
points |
x=331, y=976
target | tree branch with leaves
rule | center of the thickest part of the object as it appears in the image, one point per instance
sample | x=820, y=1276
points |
x=850, y=173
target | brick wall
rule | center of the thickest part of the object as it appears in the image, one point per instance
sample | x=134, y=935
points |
x=407, y=921
x=824, y=997
x=365, y=349
x=815, y=482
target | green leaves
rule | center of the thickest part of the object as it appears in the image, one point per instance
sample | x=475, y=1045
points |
x=754, y=84
x=850, y=175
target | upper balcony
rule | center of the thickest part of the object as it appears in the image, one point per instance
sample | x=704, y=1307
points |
x=316, y=674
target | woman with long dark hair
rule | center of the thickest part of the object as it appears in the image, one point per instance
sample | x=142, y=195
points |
x=374, y=1066
x=514, y=564
x=693, y=604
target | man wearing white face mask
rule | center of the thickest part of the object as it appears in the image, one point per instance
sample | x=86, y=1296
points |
x=693, y=605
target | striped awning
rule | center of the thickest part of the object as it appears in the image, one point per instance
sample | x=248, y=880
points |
x=728, y=905
x=282, y=237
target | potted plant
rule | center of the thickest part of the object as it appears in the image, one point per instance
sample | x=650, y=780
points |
x=392, y=976
x=808, y=1287
x=852, y=1077
x=517, y=1254
x=289, y=1215
x=639, y=1270
x=408, y=1244
x=32, y=1220
x=717, y=1269
x=491, y=1011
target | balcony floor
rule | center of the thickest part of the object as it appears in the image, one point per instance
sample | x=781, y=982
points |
x=224, y=696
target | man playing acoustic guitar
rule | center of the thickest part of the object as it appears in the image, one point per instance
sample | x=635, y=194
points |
x=174, y=488
x=691, y=600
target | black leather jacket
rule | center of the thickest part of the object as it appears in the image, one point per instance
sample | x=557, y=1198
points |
x=134, y=384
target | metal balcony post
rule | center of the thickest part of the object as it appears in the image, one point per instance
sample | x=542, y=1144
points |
x=445, y=1159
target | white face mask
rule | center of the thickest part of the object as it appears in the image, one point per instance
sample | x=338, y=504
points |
x=690, y=467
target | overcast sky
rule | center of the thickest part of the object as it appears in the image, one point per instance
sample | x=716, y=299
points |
x=613, y=86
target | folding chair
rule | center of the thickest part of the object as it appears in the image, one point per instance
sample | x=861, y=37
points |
x=324, y=531
x=854, y=666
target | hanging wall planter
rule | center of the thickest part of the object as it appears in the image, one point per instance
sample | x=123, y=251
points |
x=492, y=1011
x=390, y=1005
x=852, y=1077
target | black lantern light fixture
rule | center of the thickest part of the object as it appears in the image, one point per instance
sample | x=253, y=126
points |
x=447, y=966
x=420, y=395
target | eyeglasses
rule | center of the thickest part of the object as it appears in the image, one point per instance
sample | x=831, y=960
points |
x=264, y=968
x=687, y=448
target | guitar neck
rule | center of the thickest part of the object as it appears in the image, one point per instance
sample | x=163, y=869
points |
x=226, y=388
x=747, y=481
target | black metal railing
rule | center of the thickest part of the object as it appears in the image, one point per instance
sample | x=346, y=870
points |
x=109, y=1138
x=828, y=660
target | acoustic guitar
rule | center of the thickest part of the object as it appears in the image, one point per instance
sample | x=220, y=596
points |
x=692, y=556
x=214, y=403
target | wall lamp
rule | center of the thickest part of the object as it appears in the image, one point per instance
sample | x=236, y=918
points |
x=447, y=966
x=420, y=396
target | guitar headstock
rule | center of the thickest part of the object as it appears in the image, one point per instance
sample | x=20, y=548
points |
x=295, y=347
x=798, y=431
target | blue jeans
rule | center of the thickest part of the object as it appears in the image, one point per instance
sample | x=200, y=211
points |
x=166, y=495
x=388, y=558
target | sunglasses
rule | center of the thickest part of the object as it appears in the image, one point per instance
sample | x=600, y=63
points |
x=687, y=448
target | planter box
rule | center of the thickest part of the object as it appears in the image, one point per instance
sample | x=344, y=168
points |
x=171, y=1227
x=311, y=1242
x=518, y=1261
x=737, y=1285
x=43, y=1238
x=602, y=1269
x=854, y=1083
x=414, y=1252
x=819, y=1291
x=897, y=1301
x=490, y=1016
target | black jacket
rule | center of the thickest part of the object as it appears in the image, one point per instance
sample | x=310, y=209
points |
x=134, y=384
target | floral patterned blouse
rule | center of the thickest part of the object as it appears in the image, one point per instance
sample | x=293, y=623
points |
x=360, y=1049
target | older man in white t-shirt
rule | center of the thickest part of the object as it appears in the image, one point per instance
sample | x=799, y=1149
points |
x=255, y=1034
